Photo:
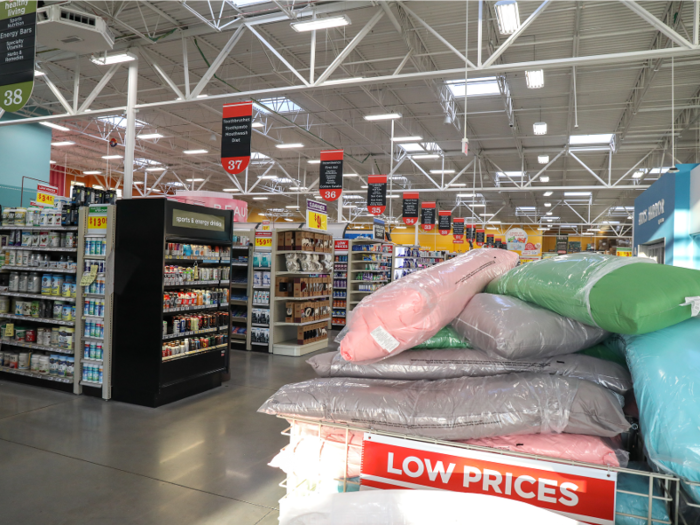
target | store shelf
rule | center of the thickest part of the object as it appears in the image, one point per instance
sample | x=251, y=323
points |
x=93, y=295
x=291, y=347
x=261, y=287
x=301, y=298
x=239, y=319
x=95, y=236
x=303, y=324
x=302, y=251
x=92, y=317
x=236, y=247
x=40, y=249
x=239, y=264
x=266, y=305
x=37, y=319
x=39, y=296
x=239, y=302
x=372, y=271
x=259, y=325
x=34, y=346
x=37, y=375
x=190, y=284
x=370, y=282
x=42, y=228
x=91, y=361
x=91, y=383
x=92, y=256
x=260, y=344
x=195, y=308
x=170, y=337
x=325, y=272
x=207, y=260
x=239, y=285
x=340, y=287
x=37, y=269
x=237, y=336
x=194, y=352
x=90, y=338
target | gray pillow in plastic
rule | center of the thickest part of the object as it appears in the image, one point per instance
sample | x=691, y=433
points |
x=462, y=408
x=450, y=363
x=507, y=327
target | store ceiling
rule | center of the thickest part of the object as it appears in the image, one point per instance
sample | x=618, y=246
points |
x=622, y=87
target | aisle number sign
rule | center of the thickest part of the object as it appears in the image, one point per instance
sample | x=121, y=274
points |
x=45, y=194
x=316, y=215
x=17, y=50
x=582, y=493
x=263, y=239
x=97, y=220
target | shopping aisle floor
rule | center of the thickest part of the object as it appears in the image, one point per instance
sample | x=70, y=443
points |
x=76, y=460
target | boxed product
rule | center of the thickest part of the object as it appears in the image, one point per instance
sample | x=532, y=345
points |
x=257, y=278
x=260, y=316
x=305, y=311
x=266, y=279
x=312, y=333
x=284, y=286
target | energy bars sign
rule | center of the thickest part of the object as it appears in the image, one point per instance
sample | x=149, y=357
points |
x=237, y=128
x=17, y=50
x=582, y=493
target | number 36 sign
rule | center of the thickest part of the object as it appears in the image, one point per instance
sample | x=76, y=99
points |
x=236, y=131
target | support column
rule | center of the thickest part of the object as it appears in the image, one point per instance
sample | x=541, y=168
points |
x=130, y=129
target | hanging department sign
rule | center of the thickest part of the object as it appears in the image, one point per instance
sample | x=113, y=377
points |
x=376, y=194
x=317, y=215
x=582, y=493
x=17, y=49
x=480, y=236
x=458, y=229
x=235, y=136
x=330, y=181
x=427, y=216
x=410, y=208
x=444, y=222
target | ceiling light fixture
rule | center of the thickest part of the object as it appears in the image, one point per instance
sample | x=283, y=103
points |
x=342, y=81
x=406, y=139
x=292, y=207
x=92, y=172
x=598, y=138
x=111, y=59
x=149, y=136
x=535, y=79
x=638, y=175
x=442, y=172
x=427, y=156
x=466, y=195
x=543, y=159
x=257, y=124
x=156, y=169
x=54, y=126
x=364, y=187
x=259, y=198
x=547, y=204
x=577, y=193
x=194, y=180
x=548, y=213
x=63, y=143
x=539, y=128
x=547, y=193
x=111, y=157
x=230, y=189
x=321, y=23
x=508, y=16
x=288, y=220
x=290, y=145
x=544, y=179
x=383, y=116
x=458, y=185
x=38, y=73
x=195, y=151
x=350, y=175
x=311, y=161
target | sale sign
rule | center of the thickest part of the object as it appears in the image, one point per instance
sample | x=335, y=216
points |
x=263, y=239
x=316, y=215
x=444, y=222
x=330, y=182
x=237, y=128
x=376, y=194
x=427, y=216
x=341, y=245
x=582, y=493
x=45, y=194
x=458, y=229
x=410, y=208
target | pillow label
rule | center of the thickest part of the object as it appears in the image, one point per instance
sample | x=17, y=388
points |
x=694, y=303
x=384, y=339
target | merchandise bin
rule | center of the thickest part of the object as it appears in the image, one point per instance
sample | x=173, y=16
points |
x=669, y=485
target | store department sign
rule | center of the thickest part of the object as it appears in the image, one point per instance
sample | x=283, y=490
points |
x=17, y=50
x=444, y=222
x=317, y=215
x=410, y=208
x=458, y=229
x=580, y=493
x=198, y=221
x=427, y=216
x=236, y=132
x=376, y=194
x=330, y=181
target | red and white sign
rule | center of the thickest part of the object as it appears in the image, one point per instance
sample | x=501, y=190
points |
x=214, y=199
x=388, y=248
x=330, y=181
x=236, y=134
x=376, y=194
x=45, y=194
x=342, y=245
x=582, y=493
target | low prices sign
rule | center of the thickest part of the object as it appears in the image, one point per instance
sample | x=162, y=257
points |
x=458, y=229
x=427, y=216
x=410, y=208
x=263, y=239
x=376, y=194
x=581, y=493
x=342, y=245
x=237, y=128
x=45, y=194
x=444, y=222
x=317, y=215
x=330, y=182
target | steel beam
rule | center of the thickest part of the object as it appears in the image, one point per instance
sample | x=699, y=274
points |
x=658, y=24
x=98, y=89
x=587, y=168
x=165, y=76
x=278, y=55
x=216, y=64
x=59, y=96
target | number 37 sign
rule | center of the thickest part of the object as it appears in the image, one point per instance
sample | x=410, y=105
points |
x=236, y=131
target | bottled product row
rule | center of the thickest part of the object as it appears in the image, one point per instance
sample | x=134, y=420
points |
x=33, y=337
x=178, y=300
x=55, y=365
x=371, y=276
x=44, y=309
x=33, y=217
x=38, y=239
x=191, y=345
x=185, y=324
x=48, y=284
x=27, y=260
x=262, y=279
x=174, y=250
x=181, y=275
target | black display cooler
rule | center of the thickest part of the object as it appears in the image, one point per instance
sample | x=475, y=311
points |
x=140, y=373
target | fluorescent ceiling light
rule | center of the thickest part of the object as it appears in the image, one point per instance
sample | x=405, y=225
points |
x=292, y=207
x=64, y=143
x=543, y=159
x=321, y=23
x=539, y=128
x=458, y=185
x=525, y=208
x=194, y=180
x=466, y=195
x=543, y=229
x=600, y=138
x=548, y=213
x=137, y=183
x=288, y=220
x=364, y=187
x=490, y=221
x=257, y=124
x=442, y=172
x=194, y=151
x=383, y=116
x=552, y=218
x=97, y=187
x=156, y=169
x=544, y=179
x=149, y=136
x=508, y=16
x=547, y=204
x=534, y=79
x=611, y=222
x=259, y=198
x=406, y=139
x=428, y=156
x=92, y=172
x=290, y=145
x=38, y=73
x=111, y=157
x=477, y=205
x=657, y=171
x=202, y=96
x=511, y=174
x=586, y=233
x=230, y=189
x=52, y=162
x=268, y=177
x=475, y=87
x=54, y=126
x=577, y=193
x=412, y=147
x=488, y=214
x=547, y=193
x=593, y=230
x=638, y=175
x=111, y=59
x=393, y=196
x=350, y=175
x=157, y=191
x=314, y=161
x=342, y=81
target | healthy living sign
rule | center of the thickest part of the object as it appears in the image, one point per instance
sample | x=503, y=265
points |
x=582, y=493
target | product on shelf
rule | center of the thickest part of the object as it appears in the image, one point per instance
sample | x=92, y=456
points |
x=180, y=275
x=241, y=240
x=261, y=279
x=194, y=298
x=303, y=286
x=26, y=260
x=57, y=365
x=93, y=373
x=308, y=262
x=304, y=241
x=261, y=297
x=260, y=335
x=260, y=316
x=93, y=350
x=261, y=260
x=312, y=333
x=174, y=250
x=38, y=239
x=97, y=287
x=306, y=311
x=193, y=344
x=183, y=324
x=87, y=195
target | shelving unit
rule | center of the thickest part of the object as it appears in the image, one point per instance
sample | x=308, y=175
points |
x=11, y=344
x=260, y=319
x=241, y=285
x=93, y=229
x=407, y=260
x=283, y=334
x=367, y=258
x=340, y=283
x=141, y=374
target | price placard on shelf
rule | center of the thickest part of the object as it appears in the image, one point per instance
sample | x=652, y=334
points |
x=10, y=330
x=263, y=239
x=97, y=220
x=45, y=194
x=316, y=215
x=88, y=278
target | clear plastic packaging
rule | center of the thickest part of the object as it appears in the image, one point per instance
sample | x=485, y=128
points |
x=447, y=337
x=453, y=363
x=292, y=262
x=452, y=409
x=509, y=328
x=411, y=310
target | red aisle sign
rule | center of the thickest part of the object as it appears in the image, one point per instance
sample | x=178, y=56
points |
x=341, y=245
x=376, y=194
x=237, y=128
x=330, y=178
x=427, y=216
x=582, y=493
x=458, y=228
x=410, y=208
x=444, y=222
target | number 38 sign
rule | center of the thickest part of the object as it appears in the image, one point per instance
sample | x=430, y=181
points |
x=17, y=46
x=235, y=136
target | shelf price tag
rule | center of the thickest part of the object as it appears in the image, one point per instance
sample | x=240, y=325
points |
x=97, y=220
x=9, y=330
x=263, y=239
x=88, y=278
x=45, y=194
x=316, y=215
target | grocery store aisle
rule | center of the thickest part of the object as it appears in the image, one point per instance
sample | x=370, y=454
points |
x=68, y=459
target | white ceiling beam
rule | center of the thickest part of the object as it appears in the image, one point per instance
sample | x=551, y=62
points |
x=279, y=56
x=57, y=94
x=151, y=61
x=216, y=64
x=587, y=168
x=98, y=89
x=533, y=179
x=658, y=24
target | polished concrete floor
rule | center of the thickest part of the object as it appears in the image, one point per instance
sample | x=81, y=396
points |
x=75, y=460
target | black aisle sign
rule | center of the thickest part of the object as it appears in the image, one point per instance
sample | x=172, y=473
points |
x=17, y=48
x=237, y=129
x=427, y=216
x=376, y=194
x=469, y=232
x=444, y=222
x=410, y=208
x=330, y=181
x=458, y=228
x=480, y=236
x=489, y=240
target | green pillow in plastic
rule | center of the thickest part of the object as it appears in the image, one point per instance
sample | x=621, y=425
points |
x=446, y=338
x=624, y=295
x=603, y=352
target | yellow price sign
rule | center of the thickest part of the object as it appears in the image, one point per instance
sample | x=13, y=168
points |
x=317, y=221
x=45, y=194
x=97, y=219
x=97, y=222
x=263, y=241
x=9, y=330
x=88, y=278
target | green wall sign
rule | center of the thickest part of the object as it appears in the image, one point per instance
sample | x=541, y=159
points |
x=17, y=48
